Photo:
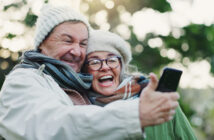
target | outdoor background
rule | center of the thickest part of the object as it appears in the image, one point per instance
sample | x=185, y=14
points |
x=175, y=33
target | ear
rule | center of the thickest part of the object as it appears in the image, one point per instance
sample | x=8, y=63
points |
x=39, y=49
x=42, y=49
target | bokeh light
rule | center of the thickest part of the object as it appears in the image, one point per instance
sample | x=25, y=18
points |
x=4, y=53
x=150, y=21
x=101, y=17
x=185, y=47
x=84, y=7
x=4, y=65
x=138, y=48
x=155, y=42
x=196, y=75
x=109, y=4
x=125, y=17
x=124, y=31
x=15, y=56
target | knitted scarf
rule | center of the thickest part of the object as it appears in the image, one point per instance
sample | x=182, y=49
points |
x=129, y=88
x=61, y=72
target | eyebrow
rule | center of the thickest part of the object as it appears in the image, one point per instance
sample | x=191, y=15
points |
x=93, y=57
x=96, y=57
x=64, y=34
x=71, y=37
x=111, y=54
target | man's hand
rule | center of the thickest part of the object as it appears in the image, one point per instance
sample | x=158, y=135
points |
x=156, y=107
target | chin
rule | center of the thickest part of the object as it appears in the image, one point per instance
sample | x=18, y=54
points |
x=106, y=93
x=75, y=68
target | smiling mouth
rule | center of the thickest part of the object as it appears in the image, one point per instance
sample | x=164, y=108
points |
x=71, y=59
x=71, y=64
x=106, y=79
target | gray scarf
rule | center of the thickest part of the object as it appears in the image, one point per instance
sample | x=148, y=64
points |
x=62, y=73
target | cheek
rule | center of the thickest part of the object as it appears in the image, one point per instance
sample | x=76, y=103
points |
x=95, y=85
x=94, y=73
x=88, y=70
x=82, y=56
x=91, y=72
x=83, y=52
x=60, y=51
x=117, y=73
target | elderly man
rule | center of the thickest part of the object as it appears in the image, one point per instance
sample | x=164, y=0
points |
x=43, y=98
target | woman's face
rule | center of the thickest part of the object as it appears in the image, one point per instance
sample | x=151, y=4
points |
x=105, y=79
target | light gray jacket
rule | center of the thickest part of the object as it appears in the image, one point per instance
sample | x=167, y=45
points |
x=34, y=107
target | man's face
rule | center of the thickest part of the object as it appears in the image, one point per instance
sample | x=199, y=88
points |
x=68, y=43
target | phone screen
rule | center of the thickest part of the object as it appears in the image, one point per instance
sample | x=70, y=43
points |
x=169, y=80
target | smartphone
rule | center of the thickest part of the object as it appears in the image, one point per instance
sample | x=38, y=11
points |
x=169, y=80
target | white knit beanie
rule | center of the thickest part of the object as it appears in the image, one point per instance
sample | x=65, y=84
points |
x=110, y=42
x=52, y=16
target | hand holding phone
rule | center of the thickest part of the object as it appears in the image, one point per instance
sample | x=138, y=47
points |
x=169, y=80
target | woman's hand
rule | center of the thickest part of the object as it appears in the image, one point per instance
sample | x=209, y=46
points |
x=156, y=107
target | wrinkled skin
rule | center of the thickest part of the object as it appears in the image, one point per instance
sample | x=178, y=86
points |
x=68, y=43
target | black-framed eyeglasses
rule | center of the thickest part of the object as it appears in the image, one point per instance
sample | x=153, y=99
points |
x=96, y=64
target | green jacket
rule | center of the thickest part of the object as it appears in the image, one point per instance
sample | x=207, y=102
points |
x=176, y=129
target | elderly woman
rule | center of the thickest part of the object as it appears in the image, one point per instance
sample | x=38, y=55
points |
x=108, y=57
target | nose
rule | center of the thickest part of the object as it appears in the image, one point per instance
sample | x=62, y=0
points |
x=75, y=49
x=104, y=66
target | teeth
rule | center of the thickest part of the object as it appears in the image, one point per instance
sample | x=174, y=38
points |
x=105, y=77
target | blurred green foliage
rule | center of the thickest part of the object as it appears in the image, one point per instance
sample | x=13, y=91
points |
x=200, y=39
x=10, y=36
x=15, y=4
x=30, y=19
x=144, y=61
